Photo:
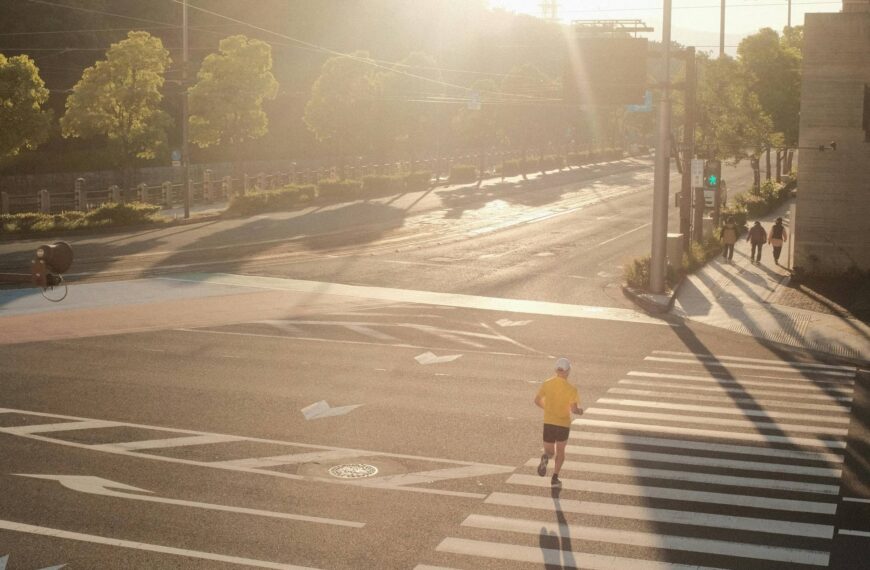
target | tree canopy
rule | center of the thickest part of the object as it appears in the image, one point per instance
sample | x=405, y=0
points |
x=22, y=96
x=226, y=104
x=119, y=97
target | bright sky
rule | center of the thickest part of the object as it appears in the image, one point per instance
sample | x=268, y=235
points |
x=693, y=22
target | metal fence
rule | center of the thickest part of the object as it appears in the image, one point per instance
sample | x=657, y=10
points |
x=56, y=193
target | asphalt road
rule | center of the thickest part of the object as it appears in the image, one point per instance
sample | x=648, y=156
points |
x=191, y=419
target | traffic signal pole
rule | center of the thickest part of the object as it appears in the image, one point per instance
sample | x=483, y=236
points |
x=185, y=146
x=657, y=270
x=688, y=150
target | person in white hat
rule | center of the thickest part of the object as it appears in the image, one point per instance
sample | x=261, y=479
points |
x=558, y=398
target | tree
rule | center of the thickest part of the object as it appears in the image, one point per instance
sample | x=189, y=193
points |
x=524, y=116
x=226, y=104
x=478, y=127
x=339, y=110
x=119, y=98
x=22, y=95
x=773, y=65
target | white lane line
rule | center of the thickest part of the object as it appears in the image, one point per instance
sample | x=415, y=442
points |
x=833, y=409
x=552, y=558
x=650, y=540
x=747, y=391
x=682, y=495
x=854, y=533
x=60, y=426
x=751, y=366
x=437, y=475
x=370, y=332
x=704, y=446
x=291, y=459
x=757, y=360
x=715, y=434
x=856, y=500
x=629, y=455
x=428, y=567
x=423, y=297
x=94, y=539
x=746, y=424
x=629, y=232
x=169, y=442
x=795, y=384
x=661, y=515
x=694, y=477
x=730, y=410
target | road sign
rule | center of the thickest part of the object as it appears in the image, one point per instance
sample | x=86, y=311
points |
x=697, y=173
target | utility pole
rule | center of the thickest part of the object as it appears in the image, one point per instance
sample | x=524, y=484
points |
x=688, y=149
x=185, y=154
x=662, y=173
x=789, y=13
x=722, y=30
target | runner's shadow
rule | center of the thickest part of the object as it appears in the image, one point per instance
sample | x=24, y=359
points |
x=556, y=546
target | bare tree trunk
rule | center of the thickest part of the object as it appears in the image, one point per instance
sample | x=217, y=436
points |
x=767, y=157
x=779, y=154
x=481, y=167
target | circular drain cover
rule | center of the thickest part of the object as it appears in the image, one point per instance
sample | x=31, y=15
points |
x=353, y=471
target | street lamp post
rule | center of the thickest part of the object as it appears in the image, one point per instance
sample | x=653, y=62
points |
x=185, y=158
x=662, y=164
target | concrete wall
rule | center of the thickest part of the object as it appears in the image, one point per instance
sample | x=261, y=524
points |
x=832, y=225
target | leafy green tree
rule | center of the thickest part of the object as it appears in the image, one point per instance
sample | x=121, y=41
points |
x=226, y=104
x=730, y=119
x=773, y=66
x=22, y=95
x=526, y=119
x=119, y=98
x=339, y=110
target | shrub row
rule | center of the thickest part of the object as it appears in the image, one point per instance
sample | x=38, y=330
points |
x=285, y=198
x=106, y=216
x=519, y=166
x=637, y=273
x=462, y=173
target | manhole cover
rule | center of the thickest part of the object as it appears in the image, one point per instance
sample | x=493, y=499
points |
x=353, y=471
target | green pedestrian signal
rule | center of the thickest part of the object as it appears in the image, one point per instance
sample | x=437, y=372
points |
x=711, y=180
x=712, y=173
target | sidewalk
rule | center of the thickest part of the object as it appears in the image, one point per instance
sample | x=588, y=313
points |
x=742, y=297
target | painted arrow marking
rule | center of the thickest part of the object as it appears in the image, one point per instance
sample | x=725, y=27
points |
x=510, y=323
x=321, y=409
x=430, y=358
x=100, y=486
x=5, y=559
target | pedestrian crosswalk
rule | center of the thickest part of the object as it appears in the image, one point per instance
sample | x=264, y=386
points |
x=692, y=461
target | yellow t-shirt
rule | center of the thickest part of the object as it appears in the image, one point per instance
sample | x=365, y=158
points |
x=558, y=396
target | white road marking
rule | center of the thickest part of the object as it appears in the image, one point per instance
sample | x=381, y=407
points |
x=93, y=539
x=730, y=410
x=370, y=332
x=683, y=495
x=695, y=477
x=424, y=297
x=169, y=442
x=833, y=409
x=706, y=446
x=291, y=459
x=629, y=232
x=854, y=533
x=746, y=424
x=510, y=323
x=716, y=434
x=321, y=409
x=630, y=455
x=806, y=396
x=65, y=426
x=549, y=557
x=437, y=475
x=716, y=364
x=99, y=486
x=5, y=560
x=641, y=513
x=651, y=540
x=856, y=500
x=757, y=360
x=430, y=358
x=792, y=384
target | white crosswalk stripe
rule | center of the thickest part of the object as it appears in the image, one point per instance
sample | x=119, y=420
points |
x=678, y=468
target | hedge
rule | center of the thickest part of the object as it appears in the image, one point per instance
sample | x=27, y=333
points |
x=107, y=215
x=461, y=173
x=286, y=198
x=334, y=189
x=378, y=184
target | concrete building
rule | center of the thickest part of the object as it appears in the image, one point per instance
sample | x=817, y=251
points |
x=832, y=218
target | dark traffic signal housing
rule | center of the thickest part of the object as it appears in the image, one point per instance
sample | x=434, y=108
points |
x=712, y=174
x=49, y=263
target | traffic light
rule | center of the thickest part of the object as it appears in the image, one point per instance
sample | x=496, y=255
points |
x=50, y=262
x=712, y=174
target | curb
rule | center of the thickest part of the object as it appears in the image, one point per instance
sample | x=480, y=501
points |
x=650, y=302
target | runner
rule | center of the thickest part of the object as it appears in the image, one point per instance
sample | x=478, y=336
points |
x=558, y=398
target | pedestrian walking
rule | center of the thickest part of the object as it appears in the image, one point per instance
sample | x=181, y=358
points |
x=558, y=398
x=756, y=238
x=777, y=237
x=728, y=233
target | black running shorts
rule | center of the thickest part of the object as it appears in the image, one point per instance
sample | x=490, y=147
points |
x=552, y=433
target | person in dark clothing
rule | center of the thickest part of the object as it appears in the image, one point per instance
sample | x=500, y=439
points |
x=777, y=237
x=729, y=238
x=756, y=238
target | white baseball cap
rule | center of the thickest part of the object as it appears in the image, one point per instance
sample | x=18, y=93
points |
x=563, y=364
